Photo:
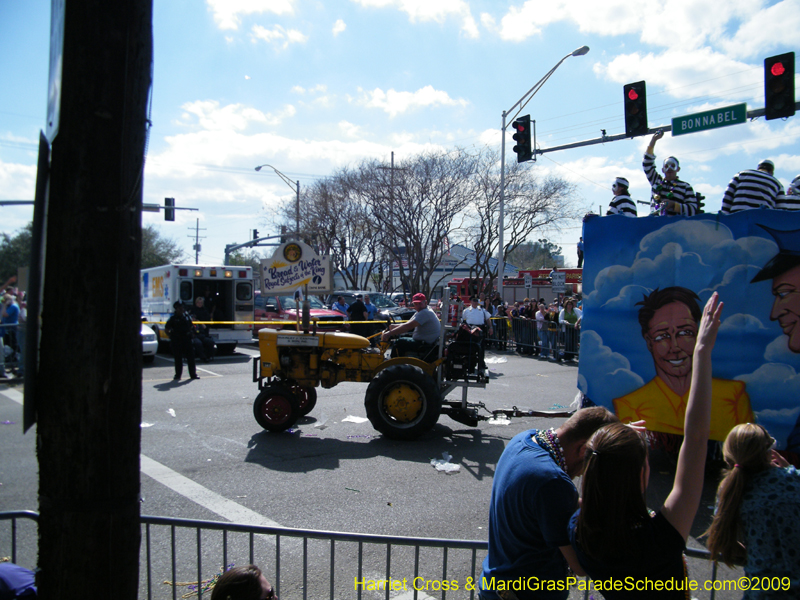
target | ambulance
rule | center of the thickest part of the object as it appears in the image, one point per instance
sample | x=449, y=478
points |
x=228, y=292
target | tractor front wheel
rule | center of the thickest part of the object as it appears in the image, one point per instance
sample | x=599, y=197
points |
x=276, y=408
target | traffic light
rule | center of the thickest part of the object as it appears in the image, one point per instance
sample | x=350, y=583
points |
x=700, y=203
x=635, y=109
x=522, y=135
x=283, y=234
x=779, y=86
x=169, y=209
x=255, y=234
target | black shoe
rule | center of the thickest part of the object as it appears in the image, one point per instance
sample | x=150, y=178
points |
x=177, y=378
x=194, y=377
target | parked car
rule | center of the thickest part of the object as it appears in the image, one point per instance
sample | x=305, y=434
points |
x=149, y=344
x=382, y=301
x=284, y=308
x=400, y=298
x=387, y=308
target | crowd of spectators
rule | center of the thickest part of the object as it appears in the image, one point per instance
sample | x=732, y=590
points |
x=13, y=315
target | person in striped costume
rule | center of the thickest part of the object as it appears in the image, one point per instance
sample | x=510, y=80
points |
x=752, y=189
x=673, y=196
x=791, y=199
x=622, y=203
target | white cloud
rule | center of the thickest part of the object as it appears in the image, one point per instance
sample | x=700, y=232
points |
x=278, y=36
x=685, y=73
x=395, y=103
x=764, y=30
x=339, y=27
x=431, y=10
x=227, y=13
x=17, y=182
x=350, y=130
x=209, y=115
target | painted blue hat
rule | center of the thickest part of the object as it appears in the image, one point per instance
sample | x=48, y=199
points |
x=788, y=255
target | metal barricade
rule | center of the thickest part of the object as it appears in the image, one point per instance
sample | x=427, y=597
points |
x=179, y=553
x=12, y=346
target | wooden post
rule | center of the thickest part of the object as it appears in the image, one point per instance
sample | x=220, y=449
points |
x=89, y=378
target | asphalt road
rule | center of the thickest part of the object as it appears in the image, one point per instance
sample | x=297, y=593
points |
x=205, y=457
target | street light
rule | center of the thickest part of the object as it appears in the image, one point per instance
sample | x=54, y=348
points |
x=528, y=95
x=292, y=185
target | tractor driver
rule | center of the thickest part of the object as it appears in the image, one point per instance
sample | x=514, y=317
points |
x=425, y=325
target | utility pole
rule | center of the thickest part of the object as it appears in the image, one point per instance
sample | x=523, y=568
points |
x=393, y=244
x=196, y=246
x=88, y=400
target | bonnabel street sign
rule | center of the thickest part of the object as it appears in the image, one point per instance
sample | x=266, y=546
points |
x=710, y=119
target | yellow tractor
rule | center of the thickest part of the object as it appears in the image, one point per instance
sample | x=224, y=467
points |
x=405, y=395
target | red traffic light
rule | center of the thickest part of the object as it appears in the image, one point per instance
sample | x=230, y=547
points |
x=777, y=69
x=633, y=95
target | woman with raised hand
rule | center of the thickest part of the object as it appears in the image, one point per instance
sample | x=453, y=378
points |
x=614, y=535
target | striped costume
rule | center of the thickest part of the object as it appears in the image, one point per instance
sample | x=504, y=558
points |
x=751, y=189
x=677, y=190
x=622, y=205
x=791, y=199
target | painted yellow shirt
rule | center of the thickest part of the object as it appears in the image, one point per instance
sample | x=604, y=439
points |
x=663, y=410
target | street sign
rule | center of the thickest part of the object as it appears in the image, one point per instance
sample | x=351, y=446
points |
x=710, y=119
x=559, y=280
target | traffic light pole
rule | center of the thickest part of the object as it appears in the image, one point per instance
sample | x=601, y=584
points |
x=751, y=114
x=295, y=185
x=231, y=248
x=526, y=97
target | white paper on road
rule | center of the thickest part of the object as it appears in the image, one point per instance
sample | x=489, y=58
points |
x=353, y=419
x=444, y=464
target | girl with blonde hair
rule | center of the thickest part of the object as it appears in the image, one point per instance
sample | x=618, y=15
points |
x=757, y=521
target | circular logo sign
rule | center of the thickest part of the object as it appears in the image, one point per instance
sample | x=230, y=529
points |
x=292, y=252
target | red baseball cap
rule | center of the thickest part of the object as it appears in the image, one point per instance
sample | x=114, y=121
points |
x=419, y=298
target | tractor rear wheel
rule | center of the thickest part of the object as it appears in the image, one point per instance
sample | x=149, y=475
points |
x=276, y=408
x=402, y=402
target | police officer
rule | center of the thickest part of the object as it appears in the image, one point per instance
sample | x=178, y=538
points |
x=179, y=327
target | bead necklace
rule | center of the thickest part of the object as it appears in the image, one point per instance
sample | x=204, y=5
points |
x=548, y=440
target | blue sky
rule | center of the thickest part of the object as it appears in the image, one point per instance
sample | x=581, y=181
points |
x=309, y=87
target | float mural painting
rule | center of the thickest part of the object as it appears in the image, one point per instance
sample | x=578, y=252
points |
x=645, y=281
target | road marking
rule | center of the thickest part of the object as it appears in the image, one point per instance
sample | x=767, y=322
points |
x=227, y=509
x=12, y=395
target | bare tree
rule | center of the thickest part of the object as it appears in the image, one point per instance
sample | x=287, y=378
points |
x=531, y=205
x=417, y=207
x=335, y=220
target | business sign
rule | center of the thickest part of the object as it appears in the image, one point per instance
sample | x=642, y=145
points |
x=645, y=283
x=294, y=266
x=710, y=119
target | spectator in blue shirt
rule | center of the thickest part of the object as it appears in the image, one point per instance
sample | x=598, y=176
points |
x=340, y=306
